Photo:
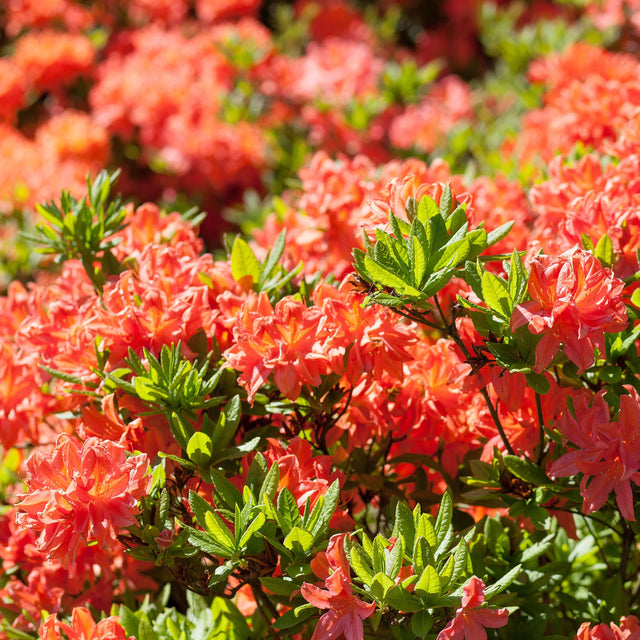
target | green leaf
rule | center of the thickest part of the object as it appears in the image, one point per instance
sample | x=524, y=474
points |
x=421, y=623
x=224, y=488
x=288, y=509
x=360, y=564
x=610, y=373
x=538, y=382
x=270, y=485
x=503, y=583
x=428, y=586
x=181, y=429
x=227, y=424
x=360, y=267
x=604, y=251
x=283, y=586
x=219, y=530
x=497, y=540
x=331, y=497
x=422, y=554
x=417, y=259
x=298, y=540
x=393, y=559
x=498, y=234
x=621, y=346
x=436, y=231
x=427, y=210
x=526, y=470
x=478, y=243
x=454, y=254
x=208, y=543
x=258, y=521
x=399, y=227
x=233, y=453
x=211, y=521
x=200, y=449
x=495, y=293
x=538, y=548
x=425, y=530
x=382, y=276
x=586, y=241
x=294, y=617
x=446, y=200
x=403, y=525
x=473, y=278
x=244, y=262
x=380, y=586
x=456, y=565
x=443, y=521
x=401, y=600
x=437, y=281
x=507, y=355
x=147, y=391
x=378, y=554
x=456, y=220
x=518, y=278
x=273, y=256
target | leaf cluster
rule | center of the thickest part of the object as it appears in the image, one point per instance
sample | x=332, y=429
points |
x=419, y=258
x=84, y=229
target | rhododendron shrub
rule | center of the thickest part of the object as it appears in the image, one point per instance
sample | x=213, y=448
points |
x=404, y=404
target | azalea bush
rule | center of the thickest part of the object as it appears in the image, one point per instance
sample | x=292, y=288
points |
x=400, y=399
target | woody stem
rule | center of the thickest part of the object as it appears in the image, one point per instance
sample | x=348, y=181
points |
x=628, y=538
x=452, y=331
x=542, y=451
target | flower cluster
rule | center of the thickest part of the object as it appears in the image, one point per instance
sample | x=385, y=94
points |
x=607, y=451
x=80, y=494
x=574, y=301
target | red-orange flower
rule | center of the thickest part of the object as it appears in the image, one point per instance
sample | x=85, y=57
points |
x=607, y=453
x=574, y=301
x=346, y=612
x=282, y=340
x=83, y=627
x=629, y=629
x=79, y=493
x=471, y=618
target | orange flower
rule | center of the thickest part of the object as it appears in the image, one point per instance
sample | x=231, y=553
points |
x=471, y=618
x=346, y=612
x=81, y=493
x=608, y=452
x=283, y=340
x=83, y=627
x=371, y=337
x=574, y=301
x=629, y=629
x=12, y=89
x=50, y=59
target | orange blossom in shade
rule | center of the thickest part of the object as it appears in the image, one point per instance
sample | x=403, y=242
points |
x=79, y=493
x=471, y=618
x=345, y=612
x=574, y=301
x=608, y=453
x=83, y=627
x=629, y=629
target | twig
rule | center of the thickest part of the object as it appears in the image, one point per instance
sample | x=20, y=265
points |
x=542, y=451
